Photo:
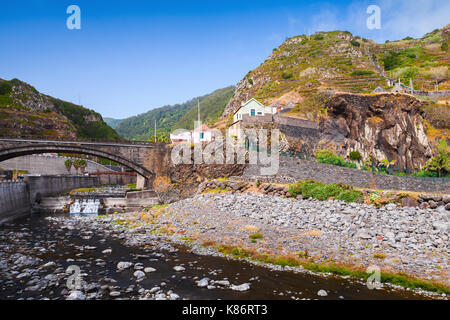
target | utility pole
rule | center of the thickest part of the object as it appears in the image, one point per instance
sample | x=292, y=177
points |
x=155, y=131
x=198, y=110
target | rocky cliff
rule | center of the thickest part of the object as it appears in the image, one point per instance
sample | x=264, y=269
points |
x=328, y=78
x=386, y=126
x=26, y=112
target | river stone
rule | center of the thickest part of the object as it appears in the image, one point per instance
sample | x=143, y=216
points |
x=139, y=274
x=76, y=295
x=179, y=268
x=222, y=282
x=114, y=293
x=409, y=202
x=322, y=293
x=149, y=269
x=123, y=265
x=433, y=205
x=242, y=287
x=107, y=251
x=49, y=264
x=203, y=282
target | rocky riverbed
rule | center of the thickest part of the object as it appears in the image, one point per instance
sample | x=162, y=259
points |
x=407, y=239
x=122, y=256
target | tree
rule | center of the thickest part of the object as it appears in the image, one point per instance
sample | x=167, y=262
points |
x=79, y=164
x=441, y=162
x=68, y=163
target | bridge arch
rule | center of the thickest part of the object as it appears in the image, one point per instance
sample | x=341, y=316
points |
x=24, y=150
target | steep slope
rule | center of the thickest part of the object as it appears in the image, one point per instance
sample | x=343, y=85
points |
x=113, y=123
x=169, y=118
x=302, y=67
x=329, y=78
x=26, y=112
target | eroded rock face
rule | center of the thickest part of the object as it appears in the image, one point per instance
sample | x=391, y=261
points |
x=388, y=126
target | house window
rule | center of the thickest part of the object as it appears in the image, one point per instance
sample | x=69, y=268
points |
x=259, y=113
x=202, y=135
x=252, y=112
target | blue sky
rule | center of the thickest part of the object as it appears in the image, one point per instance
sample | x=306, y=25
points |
x=132, y=56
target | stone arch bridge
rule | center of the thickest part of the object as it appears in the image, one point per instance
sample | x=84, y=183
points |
x=147, y=160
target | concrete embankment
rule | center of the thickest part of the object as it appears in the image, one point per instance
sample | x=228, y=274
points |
x=130, y=202
x=16, y=198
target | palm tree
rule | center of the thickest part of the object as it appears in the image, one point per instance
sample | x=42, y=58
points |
x=68, y=163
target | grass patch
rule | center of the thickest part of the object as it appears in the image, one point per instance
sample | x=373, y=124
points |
x=341, y=270
x=256, y=236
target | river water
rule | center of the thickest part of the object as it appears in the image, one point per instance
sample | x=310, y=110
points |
x=37, y=237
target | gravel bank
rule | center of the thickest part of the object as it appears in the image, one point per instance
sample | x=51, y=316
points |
x=409, y=240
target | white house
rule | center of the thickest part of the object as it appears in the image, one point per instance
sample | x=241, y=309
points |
x=253, y=108
x=202, y=134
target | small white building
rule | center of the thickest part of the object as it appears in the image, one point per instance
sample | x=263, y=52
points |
x=253, y=108
x=202, y=134
x=181, y=136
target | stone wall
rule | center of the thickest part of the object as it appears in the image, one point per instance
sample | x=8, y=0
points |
x=302, y=169
x=14, y=200
x=40, y=186
x=433, y=94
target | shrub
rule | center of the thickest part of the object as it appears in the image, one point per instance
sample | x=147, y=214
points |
x=349, y=196
x=444, y=46
x=319, y=193
x=318, y=37
x=295, y=189
x=355, y=43
x=165, y=190
x=308, y=189
x=333, y=190
x=5, y=87
x=361, y=73
x=287, y=75
x=256, y=236
x=326, y=156
x=392, y=60
x=355, y=156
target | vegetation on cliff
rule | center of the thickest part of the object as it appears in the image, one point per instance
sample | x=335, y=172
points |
x=304, y=66
x=26, y=112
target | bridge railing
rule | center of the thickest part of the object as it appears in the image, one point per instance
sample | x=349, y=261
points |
x=91, y=140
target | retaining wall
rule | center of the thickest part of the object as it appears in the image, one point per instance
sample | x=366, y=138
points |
x=302, y=169
x=14, y=200
x=17, y=198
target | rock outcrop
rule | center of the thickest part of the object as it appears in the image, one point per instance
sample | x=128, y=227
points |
x=385, y=126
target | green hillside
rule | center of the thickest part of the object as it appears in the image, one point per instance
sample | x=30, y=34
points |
x=113, y=123
x=26, y=112
x=169, y=118
x=301, y=68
